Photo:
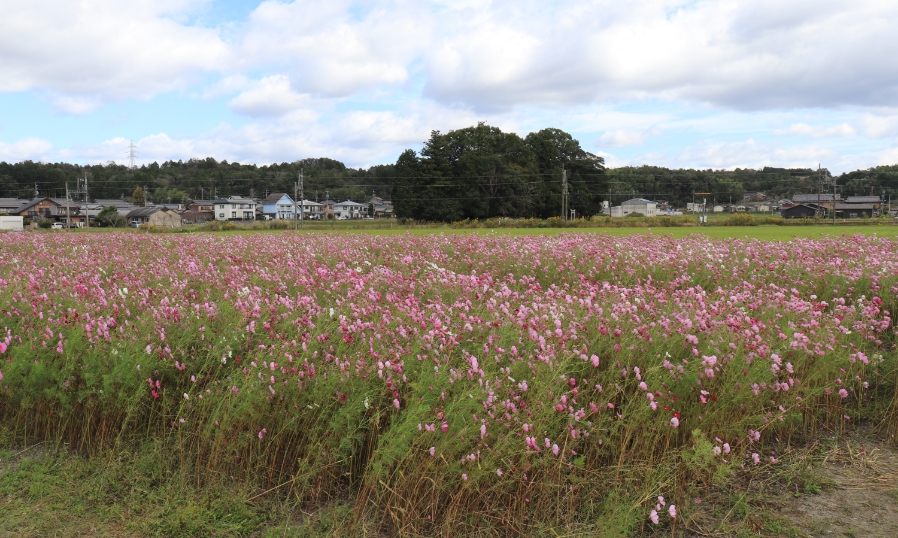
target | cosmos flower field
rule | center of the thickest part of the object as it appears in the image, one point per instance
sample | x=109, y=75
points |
x=448, y=381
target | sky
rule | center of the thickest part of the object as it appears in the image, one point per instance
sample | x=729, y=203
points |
x=695, y=84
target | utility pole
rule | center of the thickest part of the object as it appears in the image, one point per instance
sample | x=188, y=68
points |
x=86, y=204
x=834, y=201
x=302, y=208
x=564, y=214
x=68, y=219
x=295, y=191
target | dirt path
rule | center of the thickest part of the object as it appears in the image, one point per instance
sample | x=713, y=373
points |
x=863, y=498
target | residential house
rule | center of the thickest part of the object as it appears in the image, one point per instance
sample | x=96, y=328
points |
x=154, y=216
x=854, y=211
x=37, y=208
x=825, y=200
x=799, y=211
x=312, y=210
x=204, y=207
x=9, y=204
x=235, y=208
x=189, y=216
x=350, y=210
x=327, y=208
x=382, y=208
x=278, y=206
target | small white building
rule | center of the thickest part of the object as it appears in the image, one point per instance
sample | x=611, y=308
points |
x=235, y=208
x=642, y=206
x=350, y=210
x=12, y=224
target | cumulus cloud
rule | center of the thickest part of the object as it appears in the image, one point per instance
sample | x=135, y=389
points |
x=28, y=148
x=86, y=53
x=817, y=132
x=332, y=48
x=271, y=96
x=765, y=54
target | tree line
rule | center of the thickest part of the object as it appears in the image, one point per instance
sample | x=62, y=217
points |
x=475, y=172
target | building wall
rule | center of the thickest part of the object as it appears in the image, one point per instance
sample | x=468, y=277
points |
x=165, y=219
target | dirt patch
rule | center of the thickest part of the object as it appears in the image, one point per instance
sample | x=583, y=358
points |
x=861, y=498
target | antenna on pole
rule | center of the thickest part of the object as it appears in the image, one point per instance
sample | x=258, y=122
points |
x=132, y=154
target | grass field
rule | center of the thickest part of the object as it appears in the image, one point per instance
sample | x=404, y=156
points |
x=458, y=383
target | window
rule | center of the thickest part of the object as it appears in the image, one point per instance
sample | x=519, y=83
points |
x=221, y=207
x=233, y=214
x=247, y=214
x=221, y=215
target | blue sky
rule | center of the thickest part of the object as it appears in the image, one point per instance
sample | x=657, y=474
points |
x=700, y=84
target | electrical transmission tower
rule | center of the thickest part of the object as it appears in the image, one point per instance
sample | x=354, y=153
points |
x=132, y=154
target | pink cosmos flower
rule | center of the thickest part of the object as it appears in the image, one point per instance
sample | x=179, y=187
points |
x=396, y=403
x=756, y=458
x=672, y=510
x=464, y=477
x=653, y=515
x=843, y=393
x=444, y=427
x=555, y=449
x=674, y=422
x=499, y=472
x=433, y=451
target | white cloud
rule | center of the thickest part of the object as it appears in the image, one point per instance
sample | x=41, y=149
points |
x=818, y=132
x=271, y=96
x=766, y=54
x=329, y=51
x=751, y=154
x=86, y=53
x=879, y=126
x=622, y=137
x=28, y=148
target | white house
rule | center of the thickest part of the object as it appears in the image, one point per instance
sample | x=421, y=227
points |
x=235, y=208
x=645, y=207
x=350, y=210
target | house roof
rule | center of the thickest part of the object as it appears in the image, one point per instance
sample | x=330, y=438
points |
x=274, y=198
x=203, y=202
x=823, y=197
x=144, y=211
x=32, y=203
x=643, y=200
x=855, y=206
x=114, y=202
x=11, y=202
x=235, y=200
x=863, y=200
x=351, y=203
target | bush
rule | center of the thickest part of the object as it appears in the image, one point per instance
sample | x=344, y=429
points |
x=44, y=223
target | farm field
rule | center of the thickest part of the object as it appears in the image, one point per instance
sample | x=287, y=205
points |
x=445, y=384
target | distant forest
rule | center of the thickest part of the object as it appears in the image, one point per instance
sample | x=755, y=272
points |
x=476, y=172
